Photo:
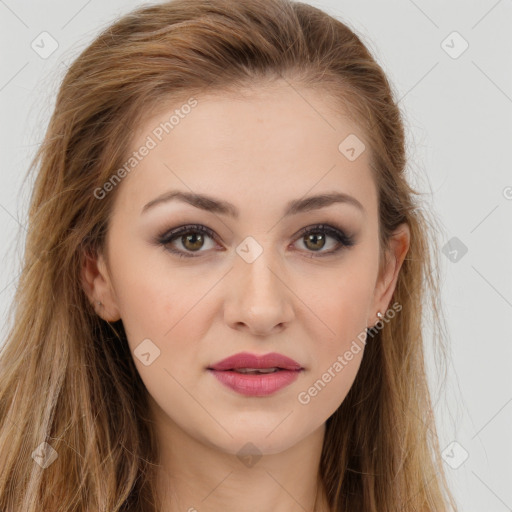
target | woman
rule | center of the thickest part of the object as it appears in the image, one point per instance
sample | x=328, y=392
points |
x=225, y=273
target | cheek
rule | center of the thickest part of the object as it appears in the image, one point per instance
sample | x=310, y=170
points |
x=150, y=299
x=167, y=319
x=341, y=300
x=339, y=333
x=168, y=311
x=330, y=384
x=337, y=349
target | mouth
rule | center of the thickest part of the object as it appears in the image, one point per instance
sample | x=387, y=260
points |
x=246, y=362
x=253, y=375
x=254, y=371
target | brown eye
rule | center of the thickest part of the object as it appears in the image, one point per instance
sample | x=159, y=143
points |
x=187, y=240
x=315, y=241
x=316, y=238
x=193, y=242
x=193, y=238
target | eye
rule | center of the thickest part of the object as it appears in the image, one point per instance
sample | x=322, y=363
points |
x=192, y=239
x=314, y=237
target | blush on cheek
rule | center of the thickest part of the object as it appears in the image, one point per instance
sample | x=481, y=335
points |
x=345, y=317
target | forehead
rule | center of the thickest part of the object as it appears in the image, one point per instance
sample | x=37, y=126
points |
x=271, y=141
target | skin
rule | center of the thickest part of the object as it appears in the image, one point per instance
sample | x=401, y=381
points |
x=258, y=152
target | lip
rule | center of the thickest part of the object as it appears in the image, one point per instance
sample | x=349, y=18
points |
x=256, y=384
x=248, y=360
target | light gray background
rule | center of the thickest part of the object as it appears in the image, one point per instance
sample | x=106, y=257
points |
x=458, y=113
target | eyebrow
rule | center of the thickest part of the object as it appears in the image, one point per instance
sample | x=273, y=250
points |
x=211, y=204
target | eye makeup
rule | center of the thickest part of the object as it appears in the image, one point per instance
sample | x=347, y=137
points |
x=189, y=234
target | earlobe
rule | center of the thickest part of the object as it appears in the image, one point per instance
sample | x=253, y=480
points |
x=97, y=285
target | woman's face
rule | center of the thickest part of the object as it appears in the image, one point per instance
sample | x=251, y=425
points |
x=252, y=281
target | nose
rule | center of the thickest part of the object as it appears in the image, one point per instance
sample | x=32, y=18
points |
x=259, y=297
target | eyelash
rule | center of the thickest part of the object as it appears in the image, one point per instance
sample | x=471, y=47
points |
x=338, y=234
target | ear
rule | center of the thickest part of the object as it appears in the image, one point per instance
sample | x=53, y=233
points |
x=398, y=247
x=97, y=285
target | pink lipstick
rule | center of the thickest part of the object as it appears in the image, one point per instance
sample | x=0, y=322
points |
x=254, y=375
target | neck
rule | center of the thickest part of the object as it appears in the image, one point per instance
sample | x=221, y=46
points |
x=195, y=475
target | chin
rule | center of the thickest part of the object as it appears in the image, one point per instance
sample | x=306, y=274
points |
x=267, y=440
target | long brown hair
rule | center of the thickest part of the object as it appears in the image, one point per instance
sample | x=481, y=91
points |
x=68, y=384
